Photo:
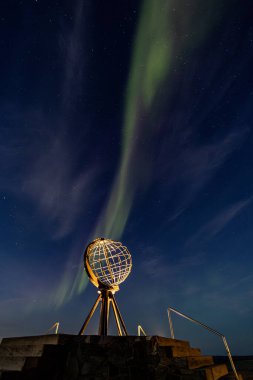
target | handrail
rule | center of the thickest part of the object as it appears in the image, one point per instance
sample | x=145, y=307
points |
x=140, y=329
x=56, y=326
x=207, y=328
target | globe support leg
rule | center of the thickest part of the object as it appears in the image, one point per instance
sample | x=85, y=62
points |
x=116, y=318
x=107, y=298
x=87, y=320
x=119, y=315
x=104, y=313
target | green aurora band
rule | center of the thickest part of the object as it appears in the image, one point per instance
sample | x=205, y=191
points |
x=155, y=46
x=149, y=68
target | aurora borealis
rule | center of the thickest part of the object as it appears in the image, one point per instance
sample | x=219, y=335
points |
x=130, y=120
x=151, y=63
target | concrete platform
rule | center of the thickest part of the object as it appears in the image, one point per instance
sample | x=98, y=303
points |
x=36, y=340
x=58, y=357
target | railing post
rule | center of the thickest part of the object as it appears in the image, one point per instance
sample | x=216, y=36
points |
x=57, y=327
x=230, y=357
x=140, y=329
x=171, y=325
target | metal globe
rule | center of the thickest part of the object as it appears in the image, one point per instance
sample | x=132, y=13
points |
x=108, y=262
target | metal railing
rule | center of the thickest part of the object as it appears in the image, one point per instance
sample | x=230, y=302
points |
x=140, y=330
x=170, y=309
x=56, y=326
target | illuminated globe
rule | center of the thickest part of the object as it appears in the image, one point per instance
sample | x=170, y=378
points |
x=107, y=262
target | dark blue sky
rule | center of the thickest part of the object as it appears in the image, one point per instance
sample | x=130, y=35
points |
x=130, y=120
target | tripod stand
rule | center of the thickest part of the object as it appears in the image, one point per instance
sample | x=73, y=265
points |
x=106, y=296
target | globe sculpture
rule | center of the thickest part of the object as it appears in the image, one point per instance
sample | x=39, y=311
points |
x=107, y=263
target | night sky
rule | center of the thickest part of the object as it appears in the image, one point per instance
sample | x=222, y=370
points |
x=130, y=120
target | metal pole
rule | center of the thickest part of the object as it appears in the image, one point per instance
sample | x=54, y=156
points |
x=57, y=327
x=119, y=315
x=116, y=317
x=140, y=329
x=89, y=315
x=230, y=357
x=108, y=302
x=104, y=314
x=171, y=325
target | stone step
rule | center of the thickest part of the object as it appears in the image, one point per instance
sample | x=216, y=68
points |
x=36, y=340
x=182, y=351
x=199, y=361
x=20, y=350
x=30, y=340
x=169, y=342
x=31, y=362
x=216, y=372
x=195, y=352
x=11, y=363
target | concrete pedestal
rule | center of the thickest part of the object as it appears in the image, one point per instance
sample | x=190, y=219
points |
x=71, y=357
